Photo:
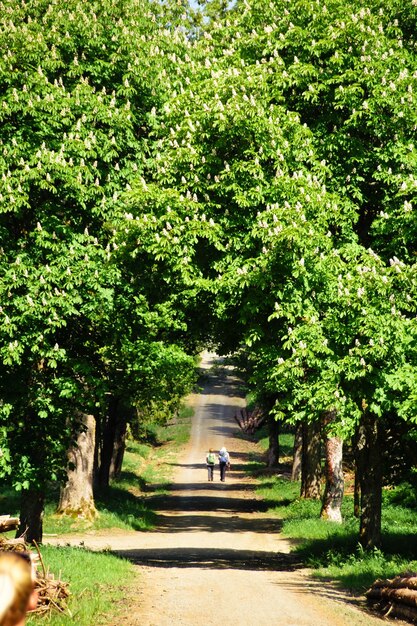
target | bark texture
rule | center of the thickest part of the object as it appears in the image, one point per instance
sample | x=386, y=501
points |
x=297, y=453
x=369, y=468
x=77, y=497
x=31, y=515
x=333, y=492
x=311, y=461
x=118, y=448
x=395, y=597
x=273, y=449
x=109, y=432
x=356, y=495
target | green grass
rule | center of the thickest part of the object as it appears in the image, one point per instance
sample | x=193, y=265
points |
x=333, y=549
x=146, y=469
x=99, y=584
x=286, y=443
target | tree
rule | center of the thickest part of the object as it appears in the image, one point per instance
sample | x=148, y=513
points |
x=79, y=84
x=77, y=498
x=334, y=489
x=286, y=154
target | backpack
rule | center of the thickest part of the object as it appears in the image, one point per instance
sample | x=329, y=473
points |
x=211, y=457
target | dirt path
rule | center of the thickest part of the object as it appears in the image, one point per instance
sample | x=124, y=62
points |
x=216, y=556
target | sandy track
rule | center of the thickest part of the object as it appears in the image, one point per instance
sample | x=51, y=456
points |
x=216, y=556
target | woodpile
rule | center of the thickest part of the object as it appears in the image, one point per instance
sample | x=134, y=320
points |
x=53, y=593
x=249, y=422
x=8, y=523
x=395, y=597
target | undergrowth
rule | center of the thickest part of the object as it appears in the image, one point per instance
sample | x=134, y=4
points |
x=98, y=583
x=333, y=549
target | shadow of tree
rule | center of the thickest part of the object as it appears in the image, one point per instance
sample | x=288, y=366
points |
x=211, y=558
x=216, y=523
x=195, y=503
x=129, y=508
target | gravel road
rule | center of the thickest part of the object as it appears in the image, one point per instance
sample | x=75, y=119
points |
x=216, y=556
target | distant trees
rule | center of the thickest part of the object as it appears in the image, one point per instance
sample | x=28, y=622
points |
x=78, y=86
x=286, y=159
x=248, y=178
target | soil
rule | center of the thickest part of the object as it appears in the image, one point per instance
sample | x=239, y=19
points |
x=216, y=555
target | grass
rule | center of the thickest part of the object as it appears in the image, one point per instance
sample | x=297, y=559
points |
x=147, y=469
x=333, y=549
x=101, y=582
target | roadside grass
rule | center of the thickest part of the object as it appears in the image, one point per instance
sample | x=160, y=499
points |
x=99, y=584
x=147, y=470
x=332, y=549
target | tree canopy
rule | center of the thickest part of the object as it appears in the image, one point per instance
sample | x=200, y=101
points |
x=243, y=176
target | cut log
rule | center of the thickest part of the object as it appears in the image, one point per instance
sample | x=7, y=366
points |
x=395, y=597
x=8, y=523
x=403, y=612
x=408, y=582
x=402, y=596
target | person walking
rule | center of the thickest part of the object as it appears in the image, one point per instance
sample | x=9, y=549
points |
x=17, y=588
x=210, y=460
x=224, y=462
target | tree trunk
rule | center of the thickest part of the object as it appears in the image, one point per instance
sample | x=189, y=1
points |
x=108, y=441
x=273, y=450
x=297, y=453
x=31, y=515
x=370, y=477
x=118, y=448
x=311, y=461
x=356, y=484
x=356, y=495
x=77, y=498
x=333, y=493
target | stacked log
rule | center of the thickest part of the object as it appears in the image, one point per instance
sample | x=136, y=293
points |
x=8, y=523
x=249, y=422
x=395, y=597
x=53, y=593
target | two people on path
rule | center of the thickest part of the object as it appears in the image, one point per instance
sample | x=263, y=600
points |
x=224, y=463
x=210, y=460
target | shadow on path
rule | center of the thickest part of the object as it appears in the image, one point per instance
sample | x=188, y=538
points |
x=194, y=503
x=212, y=558
x=216, y=524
